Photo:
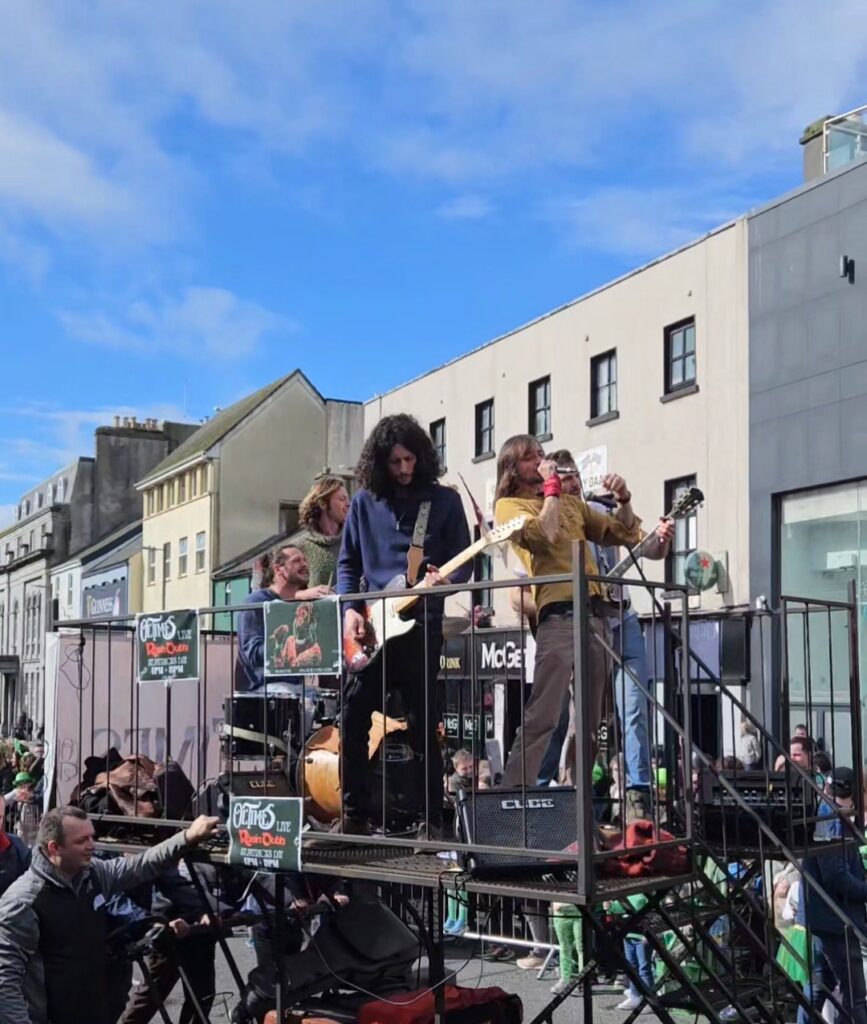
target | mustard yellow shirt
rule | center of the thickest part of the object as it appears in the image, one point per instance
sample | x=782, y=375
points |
x=542, y=557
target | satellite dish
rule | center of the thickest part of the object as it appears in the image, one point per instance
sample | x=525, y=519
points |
x=701, y=570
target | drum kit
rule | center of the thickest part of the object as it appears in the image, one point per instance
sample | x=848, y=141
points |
x=278, y=729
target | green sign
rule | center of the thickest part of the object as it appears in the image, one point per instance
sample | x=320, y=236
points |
x=701, y=570
x=302, y=637
x=265, y=832
x=167, y=646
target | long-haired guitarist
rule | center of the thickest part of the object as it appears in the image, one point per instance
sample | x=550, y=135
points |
x=528, y=484
x=401, y=522
x=628, y=644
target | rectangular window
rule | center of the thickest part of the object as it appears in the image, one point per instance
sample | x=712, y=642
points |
x=152, y=566
x=540, y=408
x=485, y=428
x=150, y=502
x=603, y=384
x=200, y=551
x=69, y=588
x=158, y=497
x=483, y=569
x=438, y=436
x=288, y=518
x=170, y=493
x=182, y=556
x=167, y=561
x=680, y=355
x=685, y=532
x=182, y=487
x=194, y=480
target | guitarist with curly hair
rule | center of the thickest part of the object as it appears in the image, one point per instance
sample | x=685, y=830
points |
x=402, y=522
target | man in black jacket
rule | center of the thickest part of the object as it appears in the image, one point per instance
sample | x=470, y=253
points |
x=840, y=872
x=53, y=952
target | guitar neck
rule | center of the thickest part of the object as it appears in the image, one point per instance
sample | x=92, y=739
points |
x=402, y=604
x=637, y=552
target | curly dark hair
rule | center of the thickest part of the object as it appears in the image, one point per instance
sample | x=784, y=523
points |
x=372, y=472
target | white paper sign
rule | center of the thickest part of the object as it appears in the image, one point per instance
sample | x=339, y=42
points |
x=593, y=467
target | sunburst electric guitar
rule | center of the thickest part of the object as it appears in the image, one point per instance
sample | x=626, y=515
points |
x=685, y=503
x=387, y=619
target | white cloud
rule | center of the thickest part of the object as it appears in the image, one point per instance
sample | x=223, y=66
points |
x=467, y=207
x=201, y=323
x=640, y=223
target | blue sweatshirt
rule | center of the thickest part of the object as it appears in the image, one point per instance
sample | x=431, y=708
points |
x=251, y=644
x=378, y=533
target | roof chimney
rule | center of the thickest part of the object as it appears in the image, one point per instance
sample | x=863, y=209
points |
x=133, y=422
x=116, y=422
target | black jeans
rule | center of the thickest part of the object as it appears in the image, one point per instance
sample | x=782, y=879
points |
x=837, y=960
x=195, y=954
x=413, y=675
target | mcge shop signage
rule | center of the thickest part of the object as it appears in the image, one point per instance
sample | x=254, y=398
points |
x=497, y=653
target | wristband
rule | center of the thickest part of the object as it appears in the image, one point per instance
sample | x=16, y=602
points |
x=552, y=487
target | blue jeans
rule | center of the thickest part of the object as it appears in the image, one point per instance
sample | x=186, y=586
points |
x=836, y=960
x=632, y=707
x=638, y=956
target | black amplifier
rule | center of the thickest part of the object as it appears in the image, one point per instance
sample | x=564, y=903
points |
x=781, y=803
x=537, y=818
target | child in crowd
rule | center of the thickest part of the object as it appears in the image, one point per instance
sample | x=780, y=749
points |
x=567, y=926
x=637, y=950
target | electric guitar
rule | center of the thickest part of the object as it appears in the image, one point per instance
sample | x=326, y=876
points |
x=386, y=619
x=690, y=499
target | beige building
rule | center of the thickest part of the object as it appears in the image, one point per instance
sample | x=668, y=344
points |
x=238, y=479
x=646, y=376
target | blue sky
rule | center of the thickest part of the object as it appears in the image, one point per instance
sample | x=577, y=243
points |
x=197, y=197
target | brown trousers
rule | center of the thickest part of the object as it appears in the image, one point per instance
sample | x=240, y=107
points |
x=552, y=676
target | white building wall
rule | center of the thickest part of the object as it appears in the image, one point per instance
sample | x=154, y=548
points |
x=650, y=442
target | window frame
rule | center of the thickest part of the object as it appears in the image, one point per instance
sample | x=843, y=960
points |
x=672, y=488
x=200, y=551
x=534, y=410
x=440, y=446
x=182, y=488
x=481, y=431
x=608, y=359
x=183, y=556
x=669, y=334
x=152, y=566
x=167, y=560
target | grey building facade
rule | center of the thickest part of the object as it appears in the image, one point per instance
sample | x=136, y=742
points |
x=808, y=429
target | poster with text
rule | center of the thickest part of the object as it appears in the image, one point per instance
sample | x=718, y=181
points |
x=167, y=646
x=302, y=637
x=592, y=464
x=265, y=832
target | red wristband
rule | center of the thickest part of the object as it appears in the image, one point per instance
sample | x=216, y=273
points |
x=552, y=487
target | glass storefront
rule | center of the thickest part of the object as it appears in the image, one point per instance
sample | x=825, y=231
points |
x=823, y=549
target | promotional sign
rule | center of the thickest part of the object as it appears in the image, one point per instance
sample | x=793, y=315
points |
x=108, y=600
x=496, y=652
x=302, y=637
x=593, y=466
x=265, y=832
x=167, y=646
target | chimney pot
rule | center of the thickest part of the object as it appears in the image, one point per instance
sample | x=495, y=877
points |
x=117, y=421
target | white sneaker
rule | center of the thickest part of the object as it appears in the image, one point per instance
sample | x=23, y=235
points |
x=530, y=963
x=629, y=1003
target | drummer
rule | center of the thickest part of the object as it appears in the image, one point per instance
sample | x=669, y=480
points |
x=285, y=575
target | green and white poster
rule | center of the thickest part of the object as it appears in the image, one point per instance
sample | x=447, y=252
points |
x=167, y=646
x=265, y=832
x=302, y=637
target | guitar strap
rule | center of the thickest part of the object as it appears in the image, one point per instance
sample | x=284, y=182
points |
x=415, y=554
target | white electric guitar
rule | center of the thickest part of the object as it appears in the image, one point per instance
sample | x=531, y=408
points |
x=386, y=619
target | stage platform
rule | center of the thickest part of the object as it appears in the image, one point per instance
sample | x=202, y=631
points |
x=400, y=865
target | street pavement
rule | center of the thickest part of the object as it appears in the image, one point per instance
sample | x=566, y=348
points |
x=473, y=971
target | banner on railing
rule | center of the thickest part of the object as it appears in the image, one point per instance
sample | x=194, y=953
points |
x=302, y=637
x=265, y=832
x=167, y=646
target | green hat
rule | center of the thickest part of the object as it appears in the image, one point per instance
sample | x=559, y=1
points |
x=23, y=777
x=598, y=772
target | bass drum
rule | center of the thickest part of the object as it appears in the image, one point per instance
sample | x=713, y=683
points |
x=317, y=778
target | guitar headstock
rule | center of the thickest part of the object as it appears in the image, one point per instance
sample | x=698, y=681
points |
x=505, y=530
x=684, y=503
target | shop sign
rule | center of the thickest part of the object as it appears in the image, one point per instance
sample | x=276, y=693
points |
x=167, y=646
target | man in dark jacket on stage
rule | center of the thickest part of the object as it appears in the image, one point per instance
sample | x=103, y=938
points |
x=53, y=951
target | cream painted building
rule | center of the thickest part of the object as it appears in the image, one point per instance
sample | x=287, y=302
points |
x=647, y=376
x=240, y=478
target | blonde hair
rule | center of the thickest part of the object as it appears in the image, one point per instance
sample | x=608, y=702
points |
x=316, y=500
